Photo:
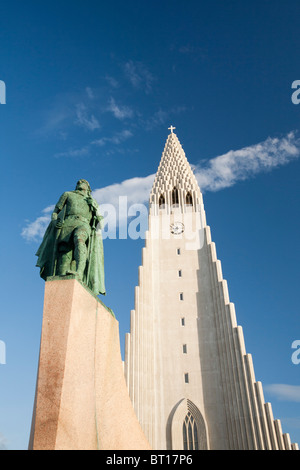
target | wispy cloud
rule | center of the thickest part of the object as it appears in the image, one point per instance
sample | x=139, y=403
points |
x=84, y=120
x=120, y=112
x=136, y=190
x=90, y=92
x=218, y=173
x=291, y=423
x=113, y=82
x=139, y=76
x=284, y=392
x=3, y=442
x=157, y=119
x=66, y=110
x=239, y=165
x=119, y=201
x=116, y=139
x=80, y=152
x=193, y=51
x=34, y=231
x=55, y=119
x=160, y=117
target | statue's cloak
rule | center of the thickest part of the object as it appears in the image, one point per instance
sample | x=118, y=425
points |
x=46, y=251
x=94, y=273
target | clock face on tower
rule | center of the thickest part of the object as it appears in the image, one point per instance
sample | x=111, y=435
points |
x=177, y=228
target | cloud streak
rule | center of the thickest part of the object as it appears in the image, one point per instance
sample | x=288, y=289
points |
x=284, y=392
x=160, y=117
x=119, y=112
x=136, y=190
x=82, y=119
x=116, y=139
x=34, y=231
x=214, y=175
x=239, y=165
x=139, y=76
x=81, y=152
x=3, y=442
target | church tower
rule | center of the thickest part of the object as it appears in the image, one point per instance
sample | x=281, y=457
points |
x=189, y=377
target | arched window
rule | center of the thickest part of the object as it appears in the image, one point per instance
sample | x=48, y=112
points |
x=189, y=199
x=161, y=201
x=190, y=433
x=175, y=198
x=187, y=427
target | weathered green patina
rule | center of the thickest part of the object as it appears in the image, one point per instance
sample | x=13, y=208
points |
x=72, y=243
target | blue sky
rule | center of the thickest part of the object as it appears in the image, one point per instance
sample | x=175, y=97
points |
x=91, y=89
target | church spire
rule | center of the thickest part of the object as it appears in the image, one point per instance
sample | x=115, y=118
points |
x=175, y=184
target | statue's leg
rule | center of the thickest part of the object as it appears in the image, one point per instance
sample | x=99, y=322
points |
x=80, y=250
x=64, y=261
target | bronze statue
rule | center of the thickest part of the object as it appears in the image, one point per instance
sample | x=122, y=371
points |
x=72, y=243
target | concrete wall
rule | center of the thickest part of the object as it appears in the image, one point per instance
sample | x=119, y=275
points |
x=222, y=390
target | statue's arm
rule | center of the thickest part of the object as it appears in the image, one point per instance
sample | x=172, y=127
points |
x=59, y=206
x=97, y=217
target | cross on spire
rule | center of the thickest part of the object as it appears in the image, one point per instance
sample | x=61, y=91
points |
x=171, y=129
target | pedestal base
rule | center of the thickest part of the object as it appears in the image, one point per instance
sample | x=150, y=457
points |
x=81, y=402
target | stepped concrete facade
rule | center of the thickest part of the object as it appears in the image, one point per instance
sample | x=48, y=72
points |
x=189, y=376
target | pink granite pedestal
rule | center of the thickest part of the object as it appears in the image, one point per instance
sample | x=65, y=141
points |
x=81, y=402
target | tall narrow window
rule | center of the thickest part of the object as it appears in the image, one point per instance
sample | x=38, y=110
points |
x=184, y=349
x=189, y=199
x=186, y=378
x=190, y=433
x=185, y=440
x=178, y=251
x=181, y=296
x=161, y=201
x=175, y=198
x=179, y=273
x=182, y=321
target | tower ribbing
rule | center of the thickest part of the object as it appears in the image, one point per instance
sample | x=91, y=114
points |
x=189, y=376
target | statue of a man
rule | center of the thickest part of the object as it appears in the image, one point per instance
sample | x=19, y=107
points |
x=72, y=243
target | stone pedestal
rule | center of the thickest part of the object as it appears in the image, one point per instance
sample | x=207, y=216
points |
x=81, y=402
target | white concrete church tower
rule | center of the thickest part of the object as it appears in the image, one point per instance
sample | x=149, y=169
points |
x=189, y=377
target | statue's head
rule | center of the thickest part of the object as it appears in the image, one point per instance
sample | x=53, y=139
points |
x=83, y=185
